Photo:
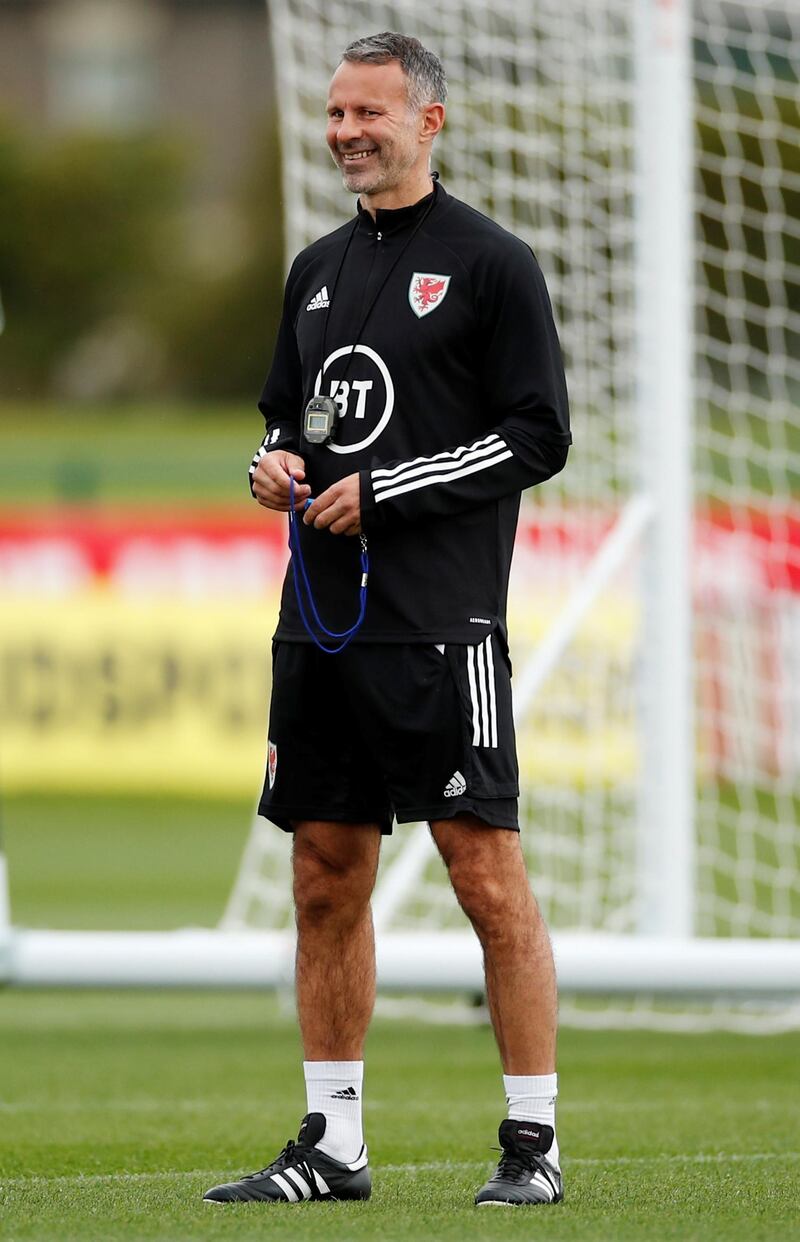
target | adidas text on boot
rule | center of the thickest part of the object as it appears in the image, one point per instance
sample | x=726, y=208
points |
x=524, y=1175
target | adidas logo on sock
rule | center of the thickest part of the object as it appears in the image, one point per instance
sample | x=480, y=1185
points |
x=320, y=300
x=455, y=786
x=349, y=1093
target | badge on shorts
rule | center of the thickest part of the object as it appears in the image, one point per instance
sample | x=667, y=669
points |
x=426, y=291
x=272, y=763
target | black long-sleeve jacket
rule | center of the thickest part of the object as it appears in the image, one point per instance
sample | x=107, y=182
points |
x=453, y=402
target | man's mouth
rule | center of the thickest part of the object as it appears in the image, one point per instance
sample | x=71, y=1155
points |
x=352, y=157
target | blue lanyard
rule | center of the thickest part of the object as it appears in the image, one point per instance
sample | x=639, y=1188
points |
x=299, y=562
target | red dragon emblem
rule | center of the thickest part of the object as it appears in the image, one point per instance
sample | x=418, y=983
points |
x=427, y=291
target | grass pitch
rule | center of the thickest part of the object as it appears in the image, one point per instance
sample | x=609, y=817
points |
x=119, y=1110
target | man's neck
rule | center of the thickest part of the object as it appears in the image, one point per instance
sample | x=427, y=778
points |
x=400, y=196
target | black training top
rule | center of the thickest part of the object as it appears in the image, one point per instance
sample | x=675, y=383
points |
x=453, y=402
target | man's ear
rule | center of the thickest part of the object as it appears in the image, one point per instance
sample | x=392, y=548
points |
x=431, y=121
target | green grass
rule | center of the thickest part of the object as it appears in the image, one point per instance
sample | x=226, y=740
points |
x=124, y=862
x=119, y=1110
x=126, y=454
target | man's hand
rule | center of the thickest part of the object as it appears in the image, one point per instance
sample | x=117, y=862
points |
x=338, y=509
x=271, y=481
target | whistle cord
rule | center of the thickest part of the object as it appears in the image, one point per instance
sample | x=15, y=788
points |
x=301, y=583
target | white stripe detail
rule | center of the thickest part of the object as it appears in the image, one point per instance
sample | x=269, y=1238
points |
x=444, y=478
x=287, y=1188
x=473, y=694
x=483, y=693
x=539, y=1179
x=387, y=472
x=322, y=1185
x=427, y=466
x=483, y=696
x=361, y=1160
x=492, y=692
x=300, y=1182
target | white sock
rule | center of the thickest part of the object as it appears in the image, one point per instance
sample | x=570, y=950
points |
x=334, y=1088
x=532, y=1097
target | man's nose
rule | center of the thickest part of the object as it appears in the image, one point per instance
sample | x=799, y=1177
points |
x=349, y=128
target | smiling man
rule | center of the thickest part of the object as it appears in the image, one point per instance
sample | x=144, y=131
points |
x=416, y=389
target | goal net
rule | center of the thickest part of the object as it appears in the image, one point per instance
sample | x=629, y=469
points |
x=545, y=134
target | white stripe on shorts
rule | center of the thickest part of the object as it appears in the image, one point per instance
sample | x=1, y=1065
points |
x=482, y=693
x=492, y=692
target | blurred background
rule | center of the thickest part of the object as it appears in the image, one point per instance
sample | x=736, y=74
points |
x=141, y=264
x=142, y=254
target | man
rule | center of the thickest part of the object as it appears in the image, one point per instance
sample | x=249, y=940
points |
x=430, y=329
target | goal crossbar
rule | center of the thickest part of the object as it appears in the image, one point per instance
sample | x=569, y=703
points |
x=588, y=963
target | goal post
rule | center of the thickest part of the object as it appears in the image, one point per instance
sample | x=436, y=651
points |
x=644, y=150
x=663, y=312
x=589, y=964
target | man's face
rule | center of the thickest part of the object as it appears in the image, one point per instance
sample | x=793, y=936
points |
x=373, y=136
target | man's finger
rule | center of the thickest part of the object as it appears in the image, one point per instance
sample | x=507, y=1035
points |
x=329, y=514
x=274, y=487
x=320, y=505
x=345, y=527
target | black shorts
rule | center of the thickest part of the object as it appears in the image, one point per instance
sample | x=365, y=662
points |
x=381, y=731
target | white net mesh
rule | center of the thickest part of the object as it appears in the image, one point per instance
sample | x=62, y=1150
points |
x=748, y=467
x=540, y=135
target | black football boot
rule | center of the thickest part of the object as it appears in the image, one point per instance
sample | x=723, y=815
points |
x=299, y=1173
x=524, y=1174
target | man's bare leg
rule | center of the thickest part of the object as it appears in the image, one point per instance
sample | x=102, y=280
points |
x=334, y=875
x=490, y=880
x=489, y=877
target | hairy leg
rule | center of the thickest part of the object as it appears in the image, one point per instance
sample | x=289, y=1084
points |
x=487, y=870
x=334, y=874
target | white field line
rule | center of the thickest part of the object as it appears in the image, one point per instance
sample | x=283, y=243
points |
x=125, y=1106
x=434, y=1166
x=234, y=1104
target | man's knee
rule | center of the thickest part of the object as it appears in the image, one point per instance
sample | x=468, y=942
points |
x=482, y=898
x=488, y=875
x=334, y=869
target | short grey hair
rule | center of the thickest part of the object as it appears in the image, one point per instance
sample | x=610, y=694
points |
x=427, y=81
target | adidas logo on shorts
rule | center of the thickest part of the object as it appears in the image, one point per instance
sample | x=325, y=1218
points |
x=320, y=300
x=455, y=786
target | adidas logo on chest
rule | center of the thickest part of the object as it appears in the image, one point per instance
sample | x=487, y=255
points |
x=320, y=300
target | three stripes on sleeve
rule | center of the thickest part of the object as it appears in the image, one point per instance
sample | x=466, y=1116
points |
x=409, y=476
